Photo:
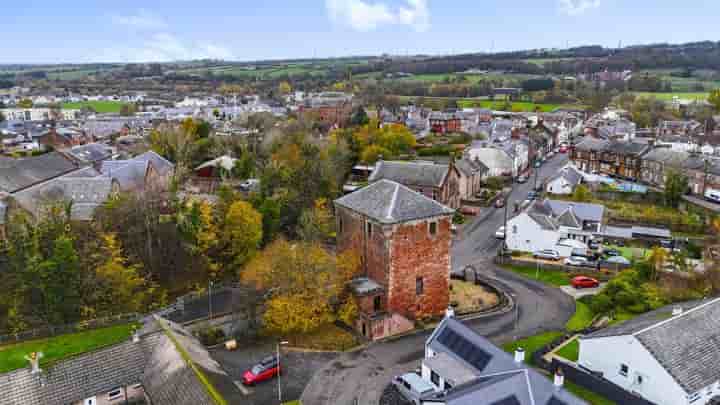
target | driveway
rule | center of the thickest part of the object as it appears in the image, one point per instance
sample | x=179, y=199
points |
x=298, y=368
x=361, y=377
x=579, y=293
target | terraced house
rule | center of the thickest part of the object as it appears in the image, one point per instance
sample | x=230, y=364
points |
x=611, y=158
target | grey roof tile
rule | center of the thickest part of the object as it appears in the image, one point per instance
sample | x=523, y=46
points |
x=420, y=174
x=16, y=174
x=389, y=202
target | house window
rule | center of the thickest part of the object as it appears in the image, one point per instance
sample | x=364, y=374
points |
x=369, y=227
x=639, y=379
x=624, y=369
x=377, y=303
x=435, y=378
x=433, y=228
x=419, y=286
x=515, y=229
x=340, y=224
x=114, y=394
x=447, y=386
x=694, y=397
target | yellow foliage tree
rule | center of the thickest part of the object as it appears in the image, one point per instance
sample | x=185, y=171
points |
x=284, y=88
x=317, y=224
x=123, y=290
x=242, y=232
x=296, y=313
x=206, y=237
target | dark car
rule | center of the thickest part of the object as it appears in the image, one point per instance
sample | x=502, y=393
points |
x=533, y=195
x=265, y=370
x=612, y=252
x=585, y=282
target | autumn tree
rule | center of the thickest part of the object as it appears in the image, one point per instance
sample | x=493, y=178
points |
x=714, y=99
x=25, y=103
x=317, y=224
x=676, y=185
x=242, y=232
x=284, y=88
x=307, y=285
x=388, y=141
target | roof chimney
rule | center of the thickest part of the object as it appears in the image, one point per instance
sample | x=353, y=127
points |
x=559, y=380
x=450, y=312
x=677, y=310
x=136, y=337
x=34, y=360
x=519, y=355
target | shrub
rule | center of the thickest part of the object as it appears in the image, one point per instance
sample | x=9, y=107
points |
x=211, y=337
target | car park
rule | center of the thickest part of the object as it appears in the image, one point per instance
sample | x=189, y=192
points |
x=547, y=254
x=584, y=282
x=412, y=387
x=266, y=369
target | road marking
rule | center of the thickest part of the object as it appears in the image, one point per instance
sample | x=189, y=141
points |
x=246, y=391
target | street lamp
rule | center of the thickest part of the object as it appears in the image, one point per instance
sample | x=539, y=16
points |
x=210, y=286
x=280, y=343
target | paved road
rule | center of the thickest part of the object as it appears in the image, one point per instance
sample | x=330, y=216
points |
x=477, y=239
x=362, y=376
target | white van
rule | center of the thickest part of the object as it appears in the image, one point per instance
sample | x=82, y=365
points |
x=712, y=195
x=413, y=387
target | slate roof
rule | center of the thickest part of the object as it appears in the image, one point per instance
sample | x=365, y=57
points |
x=666, y=156
x=686, y=345
x=571, y=176
x=583, y=211
x=468, y=167
x=16, y=174
x=90, y=153
x=389, y=202
x=130, y=174
x=592, y=144
x=420, y=174
x=499, y=379
x=155, y=362
x=160, y=164
x=492, y=158
x=364, y=286
x=86, y=194
x=628, y=148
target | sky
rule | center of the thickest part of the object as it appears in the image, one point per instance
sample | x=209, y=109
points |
x=83, y=31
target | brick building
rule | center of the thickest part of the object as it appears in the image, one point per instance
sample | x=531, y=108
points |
x=445, y=122
x=331, y=109
x=437, y=181
x=403, y=239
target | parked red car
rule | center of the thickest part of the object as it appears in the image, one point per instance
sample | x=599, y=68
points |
x=585, y=282
x=265, y=370
x=563, y=149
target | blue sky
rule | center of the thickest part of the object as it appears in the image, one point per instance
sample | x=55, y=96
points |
x=43, y=31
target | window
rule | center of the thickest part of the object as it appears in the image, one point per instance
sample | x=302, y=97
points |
x=694, y=397
x=377, y=303
x=114, y=394
x=369, y=227
x=419, y=286
x=433, y=228
x=624, y=369
x=435, y=378
x=340, y=223
x=447, y=386
x=515, y=229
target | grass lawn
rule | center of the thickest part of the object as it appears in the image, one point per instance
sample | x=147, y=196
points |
x=98, y=106
x=582, y=318
x=297, y=402
x=571, y=351
x=326, y=337
x=531, y=344
x=552, y=277
x=13, y=356
x=631, y=253
x=587, y=395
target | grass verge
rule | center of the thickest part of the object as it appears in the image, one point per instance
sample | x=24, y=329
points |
x=531, y=344
x=57, y=348
x=553, y=277
x=581, y=319
x=98, y=106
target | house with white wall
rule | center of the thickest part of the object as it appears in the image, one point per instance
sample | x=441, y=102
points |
x=466, y=368
x=670, y=356
x=564, y=182
x=545, y=224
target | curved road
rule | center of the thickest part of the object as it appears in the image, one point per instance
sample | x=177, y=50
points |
x=359, y=377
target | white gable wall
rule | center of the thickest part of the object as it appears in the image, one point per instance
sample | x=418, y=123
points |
x=525, y=235
x=606, y=355
x=559, y=186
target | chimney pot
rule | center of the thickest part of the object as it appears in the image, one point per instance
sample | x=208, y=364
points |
x=677, y=311
x=559, y=380
x=519, y=355
x=136, y=337
x=450, y=312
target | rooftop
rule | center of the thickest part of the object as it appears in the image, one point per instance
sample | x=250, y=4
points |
x=422, y=174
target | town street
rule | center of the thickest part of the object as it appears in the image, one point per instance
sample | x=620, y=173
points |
x=360, y=377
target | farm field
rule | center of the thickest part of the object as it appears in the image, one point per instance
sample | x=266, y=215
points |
x=669, y=96
x=519, y=106
x=98, y=106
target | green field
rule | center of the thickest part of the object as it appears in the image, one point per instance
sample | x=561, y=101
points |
x=267, y=72
x=98, y=106
x=56, y=348
x=519, y=106
x=470, y=77
x=669, y=96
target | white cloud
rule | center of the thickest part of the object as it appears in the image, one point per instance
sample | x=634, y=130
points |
x=164, y=47
x=362, y=15
x=578, y=7
x=143, y=20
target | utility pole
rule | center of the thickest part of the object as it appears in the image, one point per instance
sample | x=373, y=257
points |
x=210, y=286
x=279, y=343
